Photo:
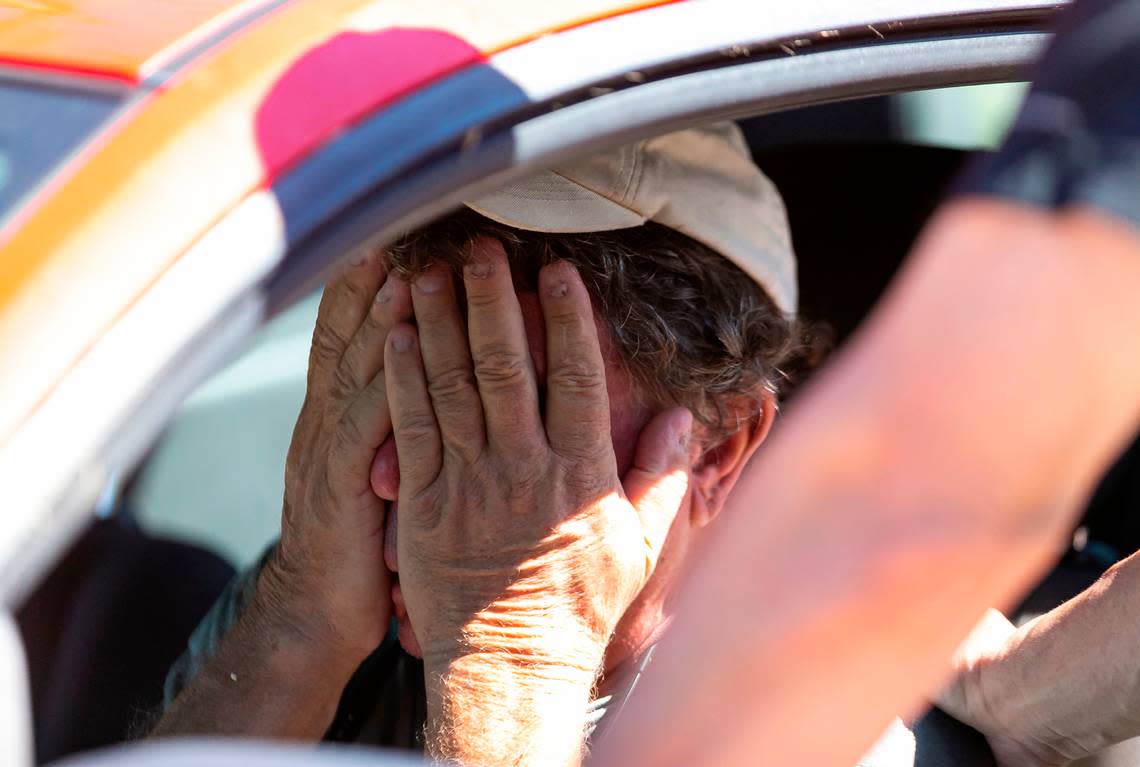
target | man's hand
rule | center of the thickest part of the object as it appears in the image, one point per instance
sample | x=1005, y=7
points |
x=519, y=549
x=966, y=696
x=322, y=601
x=1060, y=688
x=327, y=574
x=1033, y=732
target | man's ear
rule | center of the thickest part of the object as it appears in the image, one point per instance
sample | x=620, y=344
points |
x=717, y=470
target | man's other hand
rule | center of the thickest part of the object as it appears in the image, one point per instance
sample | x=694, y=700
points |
x=327, y=578
x=966, y=698
x=1061, y=687
x=519, y=549
x=322, y=601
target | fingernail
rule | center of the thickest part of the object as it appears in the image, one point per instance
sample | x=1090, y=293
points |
x=385, y=293
x=685, y=429
x=553, y=279
x=478, y=268
x=401, y=342
x=430, y=282
x=358, y=258
x=481, y=264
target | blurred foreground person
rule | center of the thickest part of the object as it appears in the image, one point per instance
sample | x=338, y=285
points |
x=935, y=467
x=519, y=422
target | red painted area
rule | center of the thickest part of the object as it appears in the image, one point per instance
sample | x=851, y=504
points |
x=345, y=78
x=70, y=70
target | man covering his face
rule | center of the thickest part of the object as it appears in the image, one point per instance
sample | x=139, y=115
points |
x=519, y=421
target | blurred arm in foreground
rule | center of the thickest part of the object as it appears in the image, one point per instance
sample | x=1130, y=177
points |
x=934, y=469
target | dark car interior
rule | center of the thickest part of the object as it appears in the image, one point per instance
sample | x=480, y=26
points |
x=103, y=628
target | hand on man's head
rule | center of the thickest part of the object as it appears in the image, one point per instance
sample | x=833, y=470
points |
x=327, y=576
x=518, y=544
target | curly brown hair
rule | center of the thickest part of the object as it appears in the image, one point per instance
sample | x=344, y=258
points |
x=690, y=327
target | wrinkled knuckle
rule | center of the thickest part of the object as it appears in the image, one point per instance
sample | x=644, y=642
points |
x=327, y=343
x=341, y=383
x=500, y=367
x=350, y=430
x=577, y=376
x=483, y=297
x=584, y=446
x=415, y=428
x=563, y=319
x=463, y=451
x=513, y=419
x=324, y=350
x=451, y=383
x=353, y=292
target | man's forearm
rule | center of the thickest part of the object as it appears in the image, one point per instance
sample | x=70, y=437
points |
x=497, y=711
x=268, y=679
x=1066, y=684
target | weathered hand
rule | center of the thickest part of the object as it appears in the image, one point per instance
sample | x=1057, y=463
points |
x=1061, y=687
x=517, y=543
x=322, y=601
x=327, y=578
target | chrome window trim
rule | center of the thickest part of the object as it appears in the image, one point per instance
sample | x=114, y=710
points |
x=416, y=190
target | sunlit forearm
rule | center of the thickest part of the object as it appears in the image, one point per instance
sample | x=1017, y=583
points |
x=498, y=711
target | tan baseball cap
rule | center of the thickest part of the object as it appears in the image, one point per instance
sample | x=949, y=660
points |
x=701, y=182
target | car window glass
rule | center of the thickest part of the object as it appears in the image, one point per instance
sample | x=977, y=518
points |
x=969, y=117
x=216, y=477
